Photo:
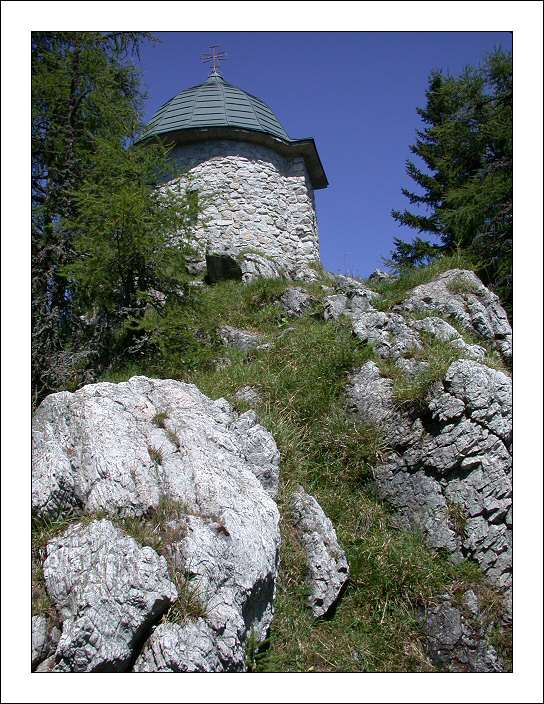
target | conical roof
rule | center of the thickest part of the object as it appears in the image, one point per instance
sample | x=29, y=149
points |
x=215, y=103
x=216, y=109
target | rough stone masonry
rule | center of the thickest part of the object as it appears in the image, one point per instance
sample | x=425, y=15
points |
x=255, y=201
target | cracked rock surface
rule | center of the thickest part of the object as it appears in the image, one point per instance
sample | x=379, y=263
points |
x=449, y=470
x=328, y=569
x=460, y=294
x=296, y=300
x=119, y=449
x=456, y=636
x=242, y=340
x=108, y=591
x=44, y=640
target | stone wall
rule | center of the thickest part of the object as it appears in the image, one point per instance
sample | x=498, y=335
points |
x=255, y=200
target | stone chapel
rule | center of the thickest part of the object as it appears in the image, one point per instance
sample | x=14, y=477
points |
x=256, y=183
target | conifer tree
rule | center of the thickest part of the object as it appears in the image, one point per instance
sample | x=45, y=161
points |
x=464, y=198
x=86, y=112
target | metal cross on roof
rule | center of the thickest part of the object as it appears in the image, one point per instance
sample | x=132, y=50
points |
x=214, y=58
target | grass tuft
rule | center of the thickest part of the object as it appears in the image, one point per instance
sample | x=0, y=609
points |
x=159, y=419
x=156, y=454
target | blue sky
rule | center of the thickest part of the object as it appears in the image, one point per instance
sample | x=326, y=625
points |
x=355, y=93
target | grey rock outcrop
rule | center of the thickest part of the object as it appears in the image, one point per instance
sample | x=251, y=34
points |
x=456, y=636
x=172, y=647
x=379, y=275
x=109, y=591
x=445, y=332
x=460, y=294
x=48, y=665
x=351, y=298
x=248, y=394
x=44, y=640
x=296, y=301
x=260, y=450
x=119, y=448
x=242, y=340
x=448, y=472
x=328, y=568
x=388, y=333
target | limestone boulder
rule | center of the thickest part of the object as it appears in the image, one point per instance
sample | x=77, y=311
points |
x=248, y=394
x=296, y=301
x=460, y=294
x=389, y=334
x=328, y=569
x=121, y=449
x=109, y=591
x=172, y=647
x=242, y=340
x=456, y=638
x=44, y=640
x=448, y=470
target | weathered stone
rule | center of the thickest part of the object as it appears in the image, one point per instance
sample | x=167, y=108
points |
x=328, y=569
x=242, y=340
x=43, y=642
x=378, y=275
x=460, y=294
x=353, y=287
x=254, y=198
x=448, y=473
x=334, y=306
x=445, y=332
x=388, y=333
x=211, y=461
x=195, y=265
x=48, y=665
x=258, y=266
x=180, y=648
x=456, y=639
x=259, y=450
x=108, y=591
x=296, y=301
x=248, y=394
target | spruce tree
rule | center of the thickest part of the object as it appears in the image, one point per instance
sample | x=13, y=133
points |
x=464, y=198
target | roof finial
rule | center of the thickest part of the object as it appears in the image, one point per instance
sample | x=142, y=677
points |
x=214, y=58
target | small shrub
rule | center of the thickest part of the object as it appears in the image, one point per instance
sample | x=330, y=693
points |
x=190, y=603
x=438, y=356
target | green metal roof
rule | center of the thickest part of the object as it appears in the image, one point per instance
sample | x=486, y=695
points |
x=217, y=109
x=215, y=103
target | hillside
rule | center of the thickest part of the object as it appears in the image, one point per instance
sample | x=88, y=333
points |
x=388, y=401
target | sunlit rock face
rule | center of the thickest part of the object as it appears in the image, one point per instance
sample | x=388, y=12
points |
x=255, y=202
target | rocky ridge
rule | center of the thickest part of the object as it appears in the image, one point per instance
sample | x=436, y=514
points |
x=109, y=454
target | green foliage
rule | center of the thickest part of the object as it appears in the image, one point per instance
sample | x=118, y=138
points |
x=458, y=517
x=159, y=419
x=84, y=90
x=466, y=183
x=127, y=257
